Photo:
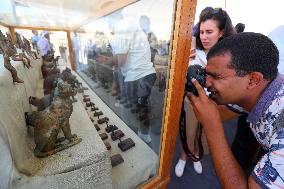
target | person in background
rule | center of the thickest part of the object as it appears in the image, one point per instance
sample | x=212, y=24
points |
x=277, y=36
x=242, y=70
x=133, y=56
x=62, y=51
x=145, y=25
x=44, y=44
x=35, y=39
x=76, y=49
x=213, y=26
x=195, y=27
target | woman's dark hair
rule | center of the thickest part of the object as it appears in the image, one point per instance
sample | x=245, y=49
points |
x=240, y=27
x=223, y=20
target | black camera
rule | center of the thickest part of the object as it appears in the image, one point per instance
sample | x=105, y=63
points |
x=197, y=72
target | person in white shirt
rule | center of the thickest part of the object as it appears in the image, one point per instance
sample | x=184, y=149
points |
x=144, y=22
x=134, y=60
x=76, y=48
x=44, y=44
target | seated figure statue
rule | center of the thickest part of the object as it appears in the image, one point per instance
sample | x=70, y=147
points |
x=72, y=80
x=50, y=121
x=28, y=49
x=8, y=51
x=18, y=56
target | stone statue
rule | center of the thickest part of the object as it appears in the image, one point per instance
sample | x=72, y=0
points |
x=20, y=45
x=50, y=81
x=8, y=50
x=28, y=49
x=17, y=56
x=72, y=80
x=49, y=122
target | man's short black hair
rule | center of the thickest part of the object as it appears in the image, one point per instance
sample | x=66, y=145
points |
x=250, y=52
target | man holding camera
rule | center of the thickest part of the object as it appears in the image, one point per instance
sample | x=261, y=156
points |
x=242, y=70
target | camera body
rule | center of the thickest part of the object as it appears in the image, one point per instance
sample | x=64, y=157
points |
x=197, y=72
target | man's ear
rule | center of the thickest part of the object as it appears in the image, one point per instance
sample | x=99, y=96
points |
x=255, y=78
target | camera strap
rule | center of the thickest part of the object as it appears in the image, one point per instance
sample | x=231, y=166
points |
x=183, y=137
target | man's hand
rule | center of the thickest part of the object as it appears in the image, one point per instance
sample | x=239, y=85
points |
x=205, y=109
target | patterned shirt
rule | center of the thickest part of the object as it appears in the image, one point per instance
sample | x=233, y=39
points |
x=267, y=123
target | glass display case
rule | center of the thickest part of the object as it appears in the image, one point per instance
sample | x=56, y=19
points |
x=124, y=58
x=99, y=101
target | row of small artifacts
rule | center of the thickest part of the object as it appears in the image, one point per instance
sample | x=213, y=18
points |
x=115, y=133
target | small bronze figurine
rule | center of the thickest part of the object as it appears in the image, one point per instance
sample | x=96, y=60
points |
x=94, y=108
x=97, y=127
x=107, y=144
x=110, y=128
x=126, y=144
x=103, y=136
x=49, y=122
x=103, y=120
x=97, y=114
x=7, y=64
x=86, y=100
x=116, y=160
x=116, y=135
x=7, y=49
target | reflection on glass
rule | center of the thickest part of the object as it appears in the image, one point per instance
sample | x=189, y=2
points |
x=124, y=57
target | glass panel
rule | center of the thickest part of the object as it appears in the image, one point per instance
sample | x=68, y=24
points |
x=124, y=57
x=64, y=14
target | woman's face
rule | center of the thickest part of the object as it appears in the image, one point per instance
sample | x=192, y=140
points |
x=209, y=33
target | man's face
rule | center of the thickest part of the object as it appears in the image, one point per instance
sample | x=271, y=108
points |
x=223, y=83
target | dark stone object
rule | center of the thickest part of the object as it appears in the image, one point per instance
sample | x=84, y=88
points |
x=86, y=100
x=97, y=127
x=88, y=104
x=103, y=120
x=98, y=113
x=126, y=144
x=116, y=160
x=94, y=108
x=116, y=135
x=103, y=136
x=107, y=144
x=111, y=128
x=80, y=90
